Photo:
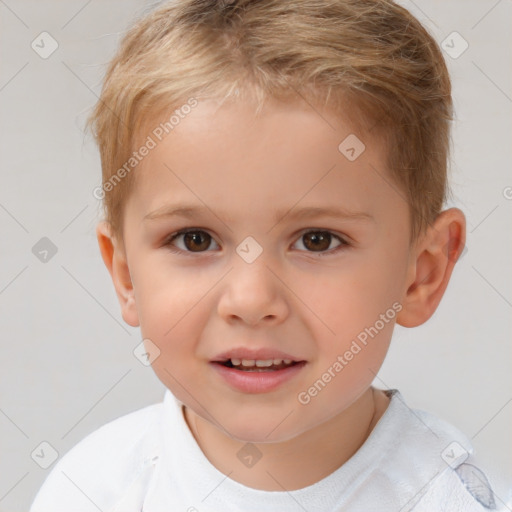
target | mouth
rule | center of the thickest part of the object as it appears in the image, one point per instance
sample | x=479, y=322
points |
x=258, y=365
x=266, y=372
x=257, y=370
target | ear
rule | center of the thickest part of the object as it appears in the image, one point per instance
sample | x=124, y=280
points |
x=431, y=266
x=114, y=257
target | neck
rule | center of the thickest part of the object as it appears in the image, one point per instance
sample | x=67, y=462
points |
x=297, y=462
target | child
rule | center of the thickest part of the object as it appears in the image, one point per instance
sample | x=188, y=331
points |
x=274, y=175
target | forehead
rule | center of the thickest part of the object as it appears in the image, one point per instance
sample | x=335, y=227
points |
x=235, y=160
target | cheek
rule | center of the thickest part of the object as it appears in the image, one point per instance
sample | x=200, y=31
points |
x=172, y=322
x=173, y=303
x=345, y=299
x=165, y=296
x=353, y=315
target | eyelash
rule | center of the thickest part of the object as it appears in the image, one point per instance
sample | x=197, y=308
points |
x=168, y=242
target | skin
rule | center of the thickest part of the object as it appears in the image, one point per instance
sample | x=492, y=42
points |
x=207, y=299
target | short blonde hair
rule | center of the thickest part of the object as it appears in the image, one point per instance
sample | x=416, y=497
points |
x=372, y=56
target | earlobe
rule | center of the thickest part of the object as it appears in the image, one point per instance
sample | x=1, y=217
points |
x=114, y=257
x=431, y=267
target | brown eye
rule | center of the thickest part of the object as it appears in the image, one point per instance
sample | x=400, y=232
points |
x=198, y=241
x=193, y=241
x=319, y=241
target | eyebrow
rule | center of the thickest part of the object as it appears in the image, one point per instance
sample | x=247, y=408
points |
x=192, y=211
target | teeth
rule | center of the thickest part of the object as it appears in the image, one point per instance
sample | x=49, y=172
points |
x=268, y=362
x=261, y=363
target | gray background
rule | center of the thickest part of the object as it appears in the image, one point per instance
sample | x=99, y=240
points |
x=67, y=364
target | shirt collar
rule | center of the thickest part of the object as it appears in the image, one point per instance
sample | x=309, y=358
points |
x=184, y=477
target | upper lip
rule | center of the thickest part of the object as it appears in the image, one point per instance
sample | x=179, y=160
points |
x=261, y=354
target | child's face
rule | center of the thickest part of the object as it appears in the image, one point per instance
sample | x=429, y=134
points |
x=305, y=295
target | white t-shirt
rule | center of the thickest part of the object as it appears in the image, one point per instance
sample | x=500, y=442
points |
x=149, y=461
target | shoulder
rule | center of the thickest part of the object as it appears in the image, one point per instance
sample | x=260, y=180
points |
x=417, y=436
x=438, y=460
x=97, y=470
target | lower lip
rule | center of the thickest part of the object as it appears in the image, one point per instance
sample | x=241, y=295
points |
x=257, y=382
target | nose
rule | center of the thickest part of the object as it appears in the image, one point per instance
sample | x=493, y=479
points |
x=253, y=294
